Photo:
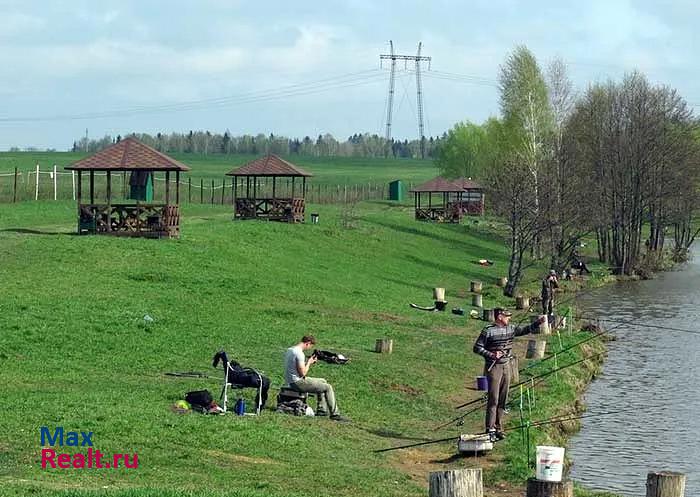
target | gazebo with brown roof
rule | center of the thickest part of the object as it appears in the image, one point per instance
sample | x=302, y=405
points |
x=458, y=197
x=128, y=217
x=261, y=201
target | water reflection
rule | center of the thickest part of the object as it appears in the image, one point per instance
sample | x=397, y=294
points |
x=653, y=370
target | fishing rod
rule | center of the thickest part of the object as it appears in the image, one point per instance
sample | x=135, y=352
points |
x=525, y=382
x=644, y=325
x=547, y=421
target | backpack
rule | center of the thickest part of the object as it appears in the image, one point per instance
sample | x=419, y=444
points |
x=330, y=357
x=199, y=398
x=295, y=407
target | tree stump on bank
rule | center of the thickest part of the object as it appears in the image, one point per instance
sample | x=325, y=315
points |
x=456, y=483
x=535, y=349
x=384, y=346
x=477, y=300
x=544, y=328
x=475, y=287
x=439, y=294
x=514, y=365
x=522, y=302
x=488, y=315
x=502, y=282
x=665, y=484
x=537, y=488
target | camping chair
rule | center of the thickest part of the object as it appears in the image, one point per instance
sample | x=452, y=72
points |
x=224, y=390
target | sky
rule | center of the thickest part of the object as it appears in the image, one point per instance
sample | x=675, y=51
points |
x=308, y=67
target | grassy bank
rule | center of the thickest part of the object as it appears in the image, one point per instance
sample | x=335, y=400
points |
x=76, y=351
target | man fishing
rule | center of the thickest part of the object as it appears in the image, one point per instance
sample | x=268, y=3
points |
x=495, y=344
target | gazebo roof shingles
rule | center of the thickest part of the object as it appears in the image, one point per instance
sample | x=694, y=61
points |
x=128, y=155
x=270, y=165
x=443, y=185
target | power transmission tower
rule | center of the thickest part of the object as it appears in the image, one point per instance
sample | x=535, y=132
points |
x=418, y=58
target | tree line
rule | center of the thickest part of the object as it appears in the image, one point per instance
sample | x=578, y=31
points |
x=205, y=142
x=620, y=161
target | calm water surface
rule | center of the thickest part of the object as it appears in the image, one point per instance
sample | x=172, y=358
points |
x=656, y=373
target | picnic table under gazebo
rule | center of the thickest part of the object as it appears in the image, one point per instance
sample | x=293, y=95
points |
x=455, y=198
x=138, y=214
x=256, y=197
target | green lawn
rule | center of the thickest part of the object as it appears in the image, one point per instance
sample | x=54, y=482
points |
x=75, y=350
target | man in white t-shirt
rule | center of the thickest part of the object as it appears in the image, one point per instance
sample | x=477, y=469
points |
x=296, y=367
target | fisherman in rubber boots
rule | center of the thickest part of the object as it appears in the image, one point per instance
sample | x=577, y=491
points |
x=495, y=344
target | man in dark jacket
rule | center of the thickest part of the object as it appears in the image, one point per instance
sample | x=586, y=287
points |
x=495, y=344
x=549, y=284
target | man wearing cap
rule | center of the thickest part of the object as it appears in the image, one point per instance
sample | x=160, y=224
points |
x=549, y=284
x=495, y=344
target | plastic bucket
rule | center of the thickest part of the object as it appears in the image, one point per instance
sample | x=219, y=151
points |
x=482, y=383
x=550, y=463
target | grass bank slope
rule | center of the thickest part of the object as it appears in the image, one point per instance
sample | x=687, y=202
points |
x=76, y=352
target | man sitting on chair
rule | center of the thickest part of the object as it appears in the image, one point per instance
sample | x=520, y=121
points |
x=296, y=367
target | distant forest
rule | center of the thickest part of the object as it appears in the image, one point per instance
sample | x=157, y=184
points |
x=205, y=142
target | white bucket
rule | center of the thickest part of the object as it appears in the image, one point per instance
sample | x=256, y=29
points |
x=550, y=463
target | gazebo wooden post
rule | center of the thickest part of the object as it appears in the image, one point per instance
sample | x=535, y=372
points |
x=109, y=201
x=80, y=188
x=177, y=187
x=167, y=187
x=274, y=187
x=92, y=187
x=303, y=187
x=247, y=187
x=292, y=187
x=255, y=187
x=430, y=200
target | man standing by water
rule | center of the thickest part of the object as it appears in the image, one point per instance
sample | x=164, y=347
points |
x=549, y=284
x=495, y=344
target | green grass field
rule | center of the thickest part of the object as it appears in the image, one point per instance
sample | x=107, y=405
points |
x=76, y=352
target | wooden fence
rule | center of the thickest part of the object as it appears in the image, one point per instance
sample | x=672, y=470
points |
x=54, y=184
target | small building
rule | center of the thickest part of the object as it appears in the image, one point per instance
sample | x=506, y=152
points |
x=455, y=199
x=269, y=188
x=137, y=215
x=397, y=190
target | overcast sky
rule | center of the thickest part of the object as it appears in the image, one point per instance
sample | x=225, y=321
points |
x=304, y=68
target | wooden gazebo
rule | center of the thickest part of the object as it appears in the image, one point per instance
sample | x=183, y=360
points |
x=255, y=197
x=455, y=199
x=137, y=215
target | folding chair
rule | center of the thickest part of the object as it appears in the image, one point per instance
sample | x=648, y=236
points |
x=224, y=390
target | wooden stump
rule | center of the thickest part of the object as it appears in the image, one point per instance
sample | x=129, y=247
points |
x=488, y=315
x=439, y=294
x=522, y=302
x=535, y=349
x=544, y=328
x=456, y=483
x=502, y=282
x=475, y=287
x=477, y=300
x=665, y=484
x=537, y=488
x=514, y=366
x=384, y=346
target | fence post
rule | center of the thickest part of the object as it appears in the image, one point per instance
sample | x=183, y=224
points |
x=456, y=483
x=212, y=192
x=55, y=183
x=14, y=191
x=72, y=179
x=201, y=190
x=665, y=484
x=36, y=188
x=223, y=189
x=189, y=190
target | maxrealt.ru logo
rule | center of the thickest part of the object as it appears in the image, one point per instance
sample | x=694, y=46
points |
x=90, y=459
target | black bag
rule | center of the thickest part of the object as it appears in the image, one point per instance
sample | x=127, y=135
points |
x=199, y=398
x=330, y=357
x=295, y=407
